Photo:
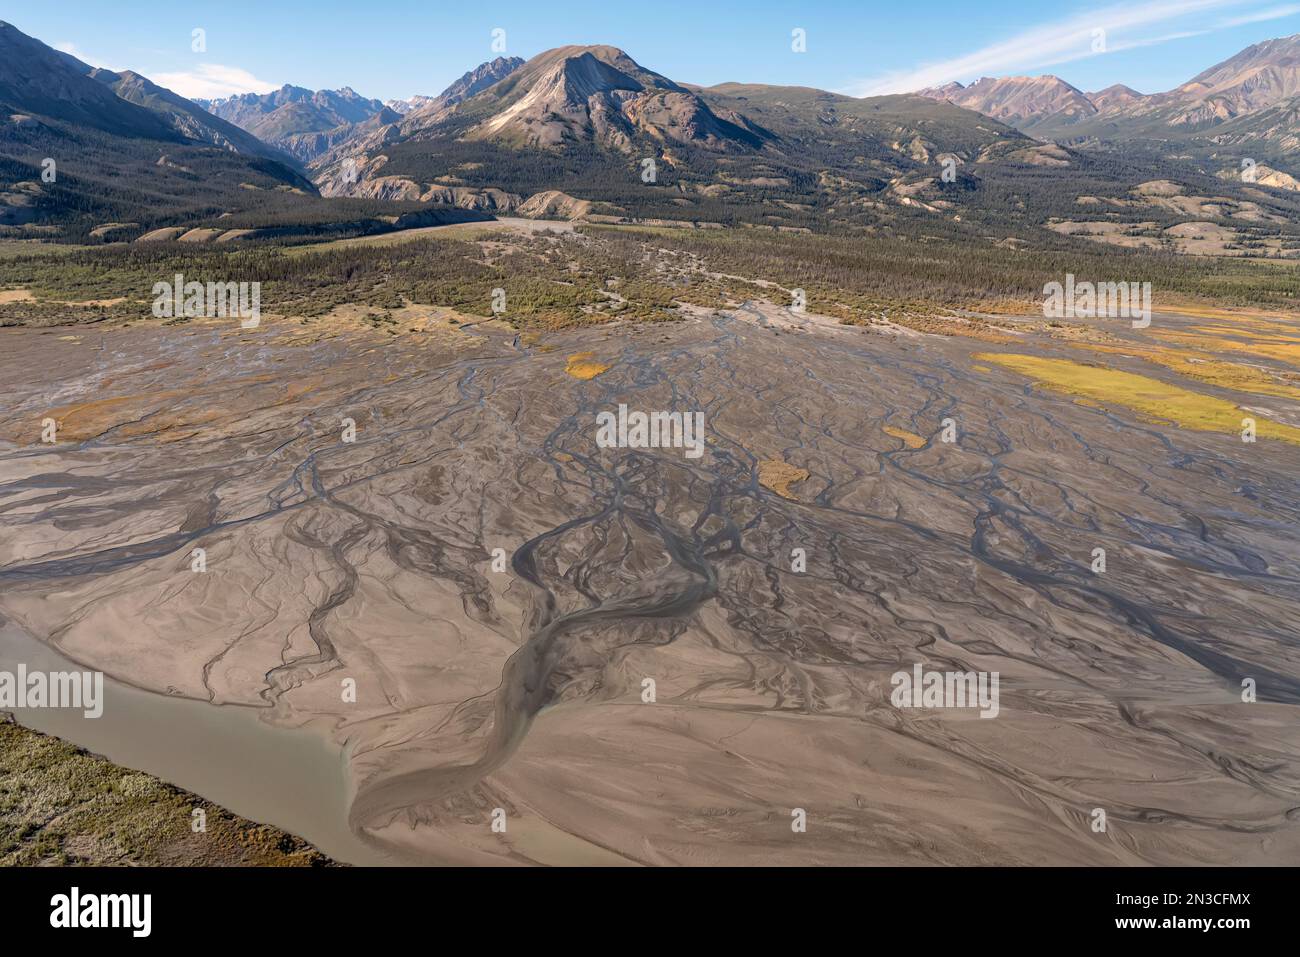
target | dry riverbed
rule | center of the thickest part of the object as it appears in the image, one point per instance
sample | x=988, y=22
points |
x=470, y=596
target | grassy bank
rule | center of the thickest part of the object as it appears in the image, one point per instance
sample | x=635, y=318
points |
x=62, y=805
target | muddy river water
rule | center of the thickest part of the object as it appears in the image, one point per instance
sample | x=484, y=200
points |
x=294, y=779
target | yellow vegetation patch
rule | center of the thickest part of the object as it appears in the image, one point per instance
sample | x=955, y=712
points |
x=911, y=439
x=1242, y=315
x=1205, y=367
x=779, y=476
x=1269, y=334
x=583, y=365
x=1262, y=347
x=1149, y=397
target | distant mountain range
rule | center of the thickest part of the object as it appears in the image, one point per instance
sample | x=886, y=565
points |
x=1249, y=99
x=292, y=110
x=587, y=131
x=307, y=124
x=301, y=122
x=1020, y=101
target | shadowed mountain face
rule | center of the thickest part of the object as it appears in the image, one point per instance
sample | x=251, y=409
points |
x=479, y=79
x=124, y=151
x=35, y=79
x=184, y=116
x=40, y=81
x=308, y=146
x=471, y=82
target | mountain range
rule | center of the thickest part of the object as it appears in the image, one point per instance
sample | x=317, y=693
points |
x=587, y=131
x=82, y=148
x=307, y=123
x=292, y=110
x=1247, y=100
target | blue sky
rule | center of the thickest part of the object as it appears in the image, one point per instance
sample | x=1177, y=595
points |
x=396, y=48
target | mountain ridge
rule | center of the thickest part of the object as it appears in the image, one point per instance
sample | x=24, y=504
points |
x=309, y=123
x=82, y=147
x=1262, y=76
x=586, y=130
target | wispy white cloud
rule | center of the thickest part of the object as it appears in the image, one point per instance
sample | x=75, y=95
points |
x=1155, y=41
x=67, y=46
x=208, y=81
x=1276, y=13
x=212, y=81
x=1050, y=44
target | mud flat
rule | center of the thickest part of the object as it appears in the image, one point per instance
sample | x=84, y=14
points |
x=471, y=596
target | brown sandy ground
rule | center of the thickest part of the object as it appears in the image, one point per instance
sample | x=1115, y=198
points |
x=524, y=689
x=62, y=805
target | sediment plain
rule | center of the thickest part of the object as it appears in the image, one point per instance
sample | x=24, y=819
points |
x=516, y=679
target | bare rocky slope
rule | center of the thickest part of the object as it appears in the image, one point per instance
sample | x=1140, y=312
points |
x=1250, y=99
